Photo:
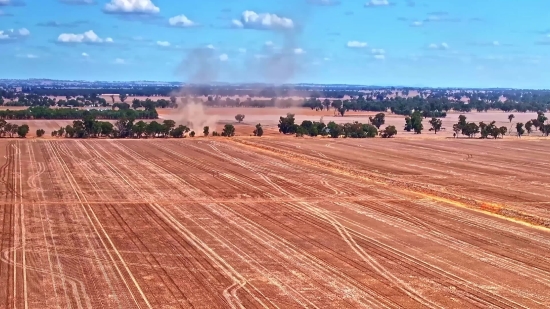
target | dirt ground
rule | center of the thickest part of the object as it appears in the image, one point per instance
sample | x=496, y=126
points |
x=274, y=223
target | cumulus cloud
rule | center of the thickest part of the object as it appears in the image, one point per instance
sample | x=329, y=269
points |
x=269, y=44
x=210, y=46
x=377, y=3
x=120, y=61
x=356, y=44
x=27, y=56
x=14, y=34
x=24, y=32
x=163, y=43
x=78, y=2
x=224, y=57
x=324, y=2
x=299, y=51
x=12, y=2
x=237, y=23
x=378, y=51
x=417, y=23
x=85, y=55
x=263, y=21
x=88, y=37
x=442, y=46
x=131, y=7
x=496, y=43
x=181, y=21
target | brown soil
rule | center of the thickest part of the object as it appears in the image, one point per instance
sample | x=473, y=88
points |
x=274, y=222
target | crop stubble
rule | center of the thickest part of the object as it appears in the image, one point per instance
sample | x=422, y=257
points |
x=276, y=223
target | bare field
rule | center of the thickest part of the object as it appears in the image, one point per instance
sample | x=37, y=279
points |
x=274, y=223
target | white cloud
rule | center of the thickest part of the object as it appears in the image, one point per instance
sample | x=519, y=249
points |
x=131, y=7
x=181, y=21
x=120, y=61
x=85, y=55
x=326, y=59
x=299, y=51
x=88, y=37
x=28, y=56
x=4, y=36
x=78, y=1
x=24, y=32
x=210, y=46
x=266, y=21
x=163, y=43
x=269, y=44
x=380, y=57
x=378, y=51
x=237, y=23
x=373, y=3
x=417, y=23
x=356, y=44
x=441, y=46
x=496, y=43
x=242, y=50
x=224, y=57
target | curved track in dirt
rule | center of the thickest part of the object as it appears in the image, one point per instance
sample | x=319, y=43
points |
x=274, y=223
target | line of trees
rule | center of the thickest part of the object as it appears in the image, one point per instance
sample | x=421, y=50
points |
x=10, y=129
x=40, y=112
x=90, y=127
x=356, y=129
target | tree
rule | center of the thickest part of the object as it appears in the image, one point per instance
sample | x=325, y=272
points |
x=192, y=134
x=326, y=104
x=502, y=131
x=173, y=100
x=122, y=97
x=541, y=117
x=40, y=133
x=22, y=130
x=335, y=130
x=436, y=125
x=301, y=131
x=529, y=127
x=206, y=130
x=136, y=103
x=239, y=117
x=113, y=98
x=342, y=111
x=228, y=130
x=378, y=120
x=286, y=124
x=510, y=117
x=519, y=129
x=414, y=123
x=388, y=132
x=259, y=131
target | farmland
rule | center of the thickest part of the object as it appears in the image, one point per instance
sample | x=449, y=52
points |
x=274, y=223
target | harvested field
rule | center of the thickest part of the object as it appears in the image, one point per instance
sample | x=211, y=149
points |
x=274, y=223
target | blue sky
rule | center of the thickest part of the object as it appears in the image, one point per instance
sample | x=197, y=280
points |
x=437, y=43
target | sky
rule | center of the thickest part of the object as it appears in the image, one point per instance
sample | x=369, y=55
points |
x=424, y=43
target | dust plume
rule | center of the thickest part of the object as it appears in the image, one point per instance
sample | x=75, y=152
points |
x=200, y=66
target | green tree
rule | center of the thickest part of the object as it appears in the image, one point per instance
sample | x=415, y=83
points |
x=23, y=130
x=192, y=134
x=378, y=120
x=259, y=131
x=206, y=130
x=40, y=133
x=510, y=117
x=519, y=129
x=239, y=117
x=286, y=124
x=414, y=123
x=436, y=125
x=529, y=127
x=139, y=128
x=228, y=130
x=136, y=103
x=335, y=130
x=388, y=132
x=122, y=97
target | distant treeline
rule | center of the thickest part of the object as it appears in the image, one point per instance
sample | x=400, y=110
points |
x=432, y=103
x=39, y=112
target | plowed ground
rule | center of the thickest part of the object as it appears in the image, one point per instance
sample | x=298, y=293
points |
x=274, y=223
